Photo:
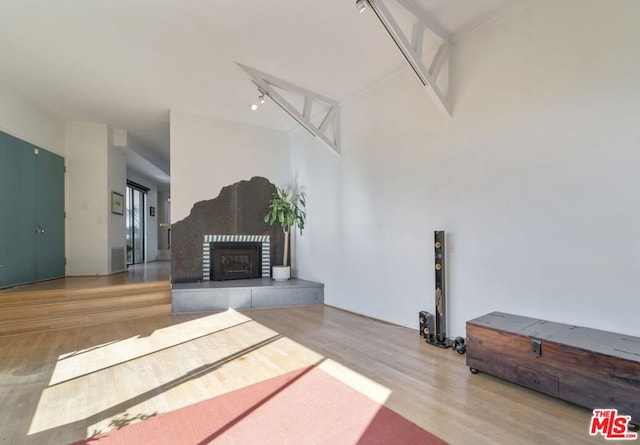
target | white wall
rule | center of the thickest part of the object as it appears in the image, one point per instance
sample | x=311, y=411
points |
x=117, y=182
x=208, y=154
x=95, y=169
x=534, y=178
x=88, y=198
x=30, y=122
x=317, y=171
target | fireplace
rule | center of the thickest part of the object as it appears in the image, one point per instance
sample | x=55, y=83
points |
x=236, y=257
x=236, y=261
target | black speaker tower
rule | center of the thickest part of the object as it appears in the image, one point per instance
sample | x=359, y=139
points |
x=426, y=325
x=440, y=338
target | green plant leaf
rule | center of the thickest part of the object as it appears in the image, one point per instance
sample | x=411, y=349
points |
x=288, y=209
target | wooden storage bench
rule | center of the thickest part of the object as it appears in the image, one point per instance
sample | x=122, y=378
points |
x=588, y=367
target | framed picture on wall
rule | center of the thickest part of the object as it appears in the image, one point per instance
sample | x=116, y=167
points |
x=117, y=203
x=152, y=211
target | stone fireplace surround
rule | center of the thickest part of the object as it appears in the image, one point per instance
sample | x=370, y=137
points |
x=239, y=209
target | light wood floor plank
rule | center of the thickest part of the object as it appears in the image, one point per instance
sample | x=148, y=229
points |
x=63, y=386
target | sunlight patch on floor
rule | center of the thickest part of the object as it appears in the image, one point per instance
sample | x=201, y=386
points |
x=313, y=405
x=123, y=382
x=370, y=388
x=82, y=362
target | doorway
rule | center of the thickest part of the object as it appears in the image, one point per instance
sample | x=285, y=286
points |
x=136, y=201
x=32, y=234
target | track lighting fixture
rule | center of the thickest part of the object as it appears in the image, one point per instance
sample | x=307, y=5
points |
x=254, y=107
x=361, y=5
x=325, y=125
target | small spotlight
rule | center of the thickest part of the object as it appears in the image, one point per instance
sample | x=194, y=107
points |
x=254, y=107
x=261, y=98
x=361, y=5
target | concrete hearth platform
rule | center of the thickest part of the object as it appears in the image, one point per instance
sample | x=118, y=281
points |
x=243, y=294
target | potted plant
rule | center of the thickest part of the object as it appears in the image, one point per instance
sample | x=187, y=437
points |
x=129, y=254
x=288, y=209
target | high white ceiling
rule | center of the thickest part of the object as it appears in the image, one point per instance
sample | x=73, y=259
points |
x=128, y=62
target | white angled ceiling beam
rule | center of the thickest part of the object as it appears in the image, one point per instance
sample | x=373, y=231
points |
x=438, y=60
x=268, y=84
x=411, y=47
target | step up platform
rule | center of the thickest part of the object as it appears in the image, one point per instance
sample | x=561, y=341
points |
x=36, y=311
x=244, y=294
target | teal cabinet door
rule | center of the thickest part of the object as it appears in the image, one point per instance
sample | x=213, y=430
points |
x=31, y=213
x=17, y=212
x=49, y=216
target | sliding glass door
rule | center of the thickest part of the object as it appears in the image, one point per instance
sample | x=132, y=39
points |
x=135, y=224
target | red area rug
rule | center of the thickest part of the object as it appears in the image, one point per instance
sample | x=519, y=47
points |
x=306, y=406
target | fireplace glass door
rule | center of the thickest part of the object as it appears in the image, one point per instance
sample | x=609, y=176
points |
x=236, y=261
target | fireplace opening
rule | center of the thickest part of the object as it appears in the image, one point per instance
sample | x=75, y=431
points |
x=236, y=260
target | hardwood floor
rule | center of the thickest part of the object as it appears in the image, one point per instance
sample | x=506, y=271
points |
x=137, y=273
x=142, y=291
x=62, y=386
